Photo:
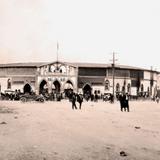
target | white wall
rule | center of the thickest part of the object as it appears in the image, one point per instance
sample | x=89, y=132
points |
x=3, y=82
x=101, y=88
x=147, y=75
x=146, y=84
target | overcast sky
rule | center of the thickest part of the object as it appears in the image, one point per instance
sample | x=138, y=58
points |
x=87, y=31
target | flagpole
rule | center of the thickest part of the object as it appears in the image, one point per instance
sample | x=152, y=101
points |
x=57, y=50
x=57, y=53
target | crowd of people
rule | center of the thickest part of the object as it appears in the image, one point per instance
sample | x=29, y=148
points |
x=11, y=95
x=73, y=97
x=123, y=99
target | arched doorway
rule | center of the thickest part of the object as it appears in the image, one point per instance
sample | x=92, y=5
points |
x=57, y=87
x=27, y=88
x=87, y=91
x=68, y=89
x=43, y=88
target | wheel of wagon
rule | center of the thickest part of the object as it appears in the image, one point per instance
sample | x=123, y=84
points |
x=23, y=99
x=41, y=100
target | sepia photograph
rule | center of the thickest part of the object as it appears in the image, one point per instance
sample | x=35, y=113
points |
x=79, y=80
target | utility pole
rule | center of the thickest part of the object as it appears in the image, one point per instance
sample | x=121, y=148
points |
x=151, y=80
x=113, y=73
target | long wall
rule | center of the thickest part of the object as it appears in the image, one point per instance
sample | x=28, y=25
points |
x=93, y=76
x=137, y=80
x=18, y=77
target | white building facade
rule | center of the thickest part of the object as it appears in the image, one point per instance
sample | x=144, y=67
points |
x=79, y=77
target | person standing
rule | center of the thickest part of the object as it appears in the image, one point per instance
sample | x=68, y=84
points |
x=79, y=100
x=157, y=99
x=127, y=102
x=124, y=102
x=121, y=101
x=96, y=97
x=111, y=98
x=74, y=101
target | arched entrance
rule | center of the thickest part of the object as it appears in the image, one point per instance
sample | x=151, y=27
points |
x=87, y=91
x=27, y=88
x=68, y=89
x=43, y=88
x=57, y=87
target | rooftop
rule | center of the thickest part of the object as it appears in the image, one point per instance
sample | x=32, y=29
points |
x=76, y=64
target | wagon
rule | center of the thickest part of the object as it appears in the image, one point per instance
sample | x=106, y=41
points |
x=29, y=97
x=106, y=96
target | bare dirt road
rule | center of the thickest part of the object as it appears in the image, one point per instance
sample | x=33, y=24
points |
x=100, y=131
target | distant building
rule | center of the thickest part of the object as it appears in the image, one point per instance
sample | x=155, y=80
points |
x=80, y=77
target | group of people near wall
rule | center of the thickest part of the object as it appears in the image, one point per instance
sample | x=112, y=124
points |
x=123, y=98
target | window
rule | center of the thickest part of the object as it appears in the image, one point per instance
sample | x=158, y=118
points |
x=123, y=88
x=107, y=85
x=117, y=87
x=142, y=87
x=95, y=92
x=63, y=69
x=9, y=84
x=92, y=71
x=52, y=68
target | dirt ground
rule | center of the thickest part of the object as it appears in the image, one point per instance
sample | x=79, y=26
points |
x=100, y=131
